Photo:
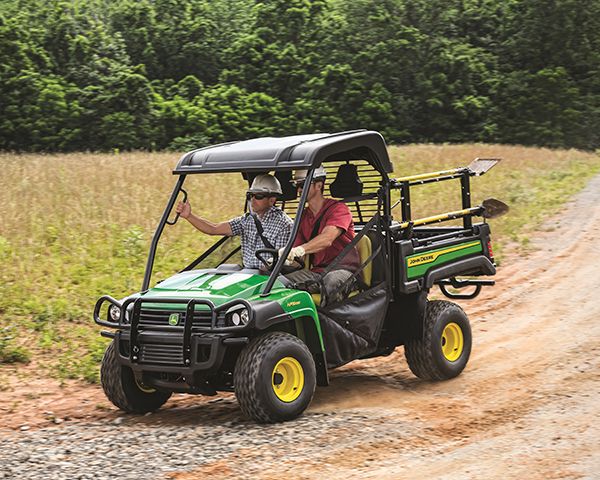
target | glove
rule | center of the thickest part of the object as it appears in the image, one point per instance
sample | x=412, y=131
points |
x=295, y=252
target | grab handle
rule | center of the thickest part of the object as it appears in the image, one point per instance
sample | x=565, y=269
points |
x=177, y=216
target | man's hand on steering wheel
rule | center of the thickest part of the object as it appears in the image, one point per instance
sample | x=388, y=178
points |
x=296, y=261
x=269, y=264
x=296, y=253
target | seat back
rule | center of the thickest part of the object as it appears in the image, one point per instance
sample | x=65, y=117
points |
x=288, y=190
x=364, y=248
x=347, y=182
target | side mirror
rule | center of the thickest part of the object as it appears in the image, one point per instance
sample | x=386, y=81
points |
x=493, y=208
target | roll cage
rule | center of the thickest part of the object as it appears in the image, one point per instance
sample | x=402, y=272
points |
x=365, y=149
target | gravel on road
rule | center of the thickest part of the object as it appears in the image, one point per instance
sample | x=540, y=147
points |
x=144, y=450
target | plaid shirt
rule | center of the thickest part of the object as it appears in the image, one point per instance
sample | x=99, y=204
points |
x=277, y=228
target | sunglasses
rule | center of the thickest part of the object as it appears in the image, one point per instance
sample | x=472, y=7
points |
x=258, y=196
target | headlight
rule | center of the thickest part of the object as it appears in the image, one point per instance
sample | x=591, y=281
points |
x=237, y=316
x=115, y=313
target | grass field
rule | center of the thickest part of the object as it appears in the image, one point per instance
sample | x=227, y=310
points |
x=74, y=227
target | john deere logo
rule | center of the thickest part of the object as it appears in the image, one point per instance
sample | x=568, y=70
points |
x=174, y=319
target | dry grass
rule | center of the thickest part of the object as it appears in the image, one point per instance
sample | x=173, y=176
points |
x=74, y=227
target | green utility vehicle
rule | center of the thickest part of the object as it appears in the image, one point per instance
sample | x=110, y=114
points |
x=217, y=326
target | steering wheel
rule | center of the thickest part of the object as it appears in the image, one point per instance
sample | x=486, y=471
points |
x=270, y=266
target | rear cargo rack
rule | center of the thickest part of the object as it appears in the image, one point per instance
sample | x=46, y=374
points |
x=477, y=167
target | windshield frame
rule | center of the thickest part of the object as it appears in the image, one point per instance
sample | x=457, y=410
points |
x=168, y=210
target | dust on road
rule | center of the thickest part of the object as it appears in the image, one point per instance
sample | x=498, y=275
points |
x=526, y=406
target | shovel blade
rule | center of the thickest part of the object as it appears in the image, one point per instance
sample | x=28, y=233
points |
x=493, y=208
x=479, y=166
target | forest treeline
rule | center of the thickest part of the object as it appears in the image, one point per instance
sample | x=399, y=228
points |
x=178, y=74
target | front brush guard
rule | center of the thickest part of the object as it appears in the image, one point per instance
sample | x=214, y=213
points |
x=132, y=323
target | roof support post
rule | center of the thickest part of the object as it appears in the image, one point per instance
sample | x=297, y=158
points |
x=405, y=197
x=158, y=232
x=465, y=185
x=296, y=227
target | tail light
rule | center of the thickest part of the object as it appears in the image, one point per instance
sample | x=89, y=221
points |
x=490, y=251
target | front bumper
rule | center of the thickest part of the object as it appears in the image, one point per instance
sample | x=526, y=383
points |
x=164, y=352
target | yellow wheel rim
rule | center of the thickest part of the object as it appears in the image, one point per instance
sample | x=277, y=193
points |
x=452, y=342
x=288, y=379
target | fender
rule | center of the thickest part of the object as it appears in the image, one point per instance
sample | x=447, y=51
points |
x=304, y=320
x=475, y=265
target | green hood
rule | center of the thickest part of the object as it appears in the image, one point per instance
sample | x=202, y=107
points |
x=216, y=287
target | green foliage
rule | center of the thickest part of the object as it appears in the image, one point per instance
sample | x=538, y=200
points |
x=188, y=142
x=142, y=74
x=9, y=351
x=541, y=108
x=279, y=55
x=133, y=242
x=42, y=110
x=72, y=364
x=5, y=248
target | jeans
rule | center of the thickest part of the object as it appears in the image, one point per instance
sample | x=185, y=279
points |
x=332, y=284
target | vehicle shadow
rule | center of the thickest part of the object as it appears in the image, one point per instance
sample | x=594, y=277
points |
x=190, y=410
x=354, y=388
x=349, y=388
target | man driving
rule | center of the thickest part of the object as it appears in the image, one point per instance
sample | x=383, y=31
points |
x=266, y=226
x=326, y=227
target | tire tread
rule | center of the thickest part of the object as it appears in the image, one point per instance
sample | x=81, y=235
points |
x=111, y=378
x=418, y=352
x=247, y=370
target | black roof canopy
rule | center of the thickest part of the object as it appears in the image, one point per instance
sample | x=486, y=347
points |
x=287, y=153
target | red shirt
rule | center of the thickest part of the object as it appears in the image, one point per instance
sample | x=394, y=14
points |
x=337, y=214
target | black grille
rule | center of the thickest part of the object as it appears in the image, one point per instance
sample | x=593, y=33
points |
x=164, y=353
x=150, y=317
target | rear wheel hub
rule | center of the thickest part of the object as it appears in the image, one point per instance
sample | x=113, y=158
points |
x=452, y=342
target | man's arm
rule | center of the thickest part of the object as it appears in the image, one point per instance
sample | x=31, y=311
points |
x=323, y=240
x=338, y=221
x=185, y=211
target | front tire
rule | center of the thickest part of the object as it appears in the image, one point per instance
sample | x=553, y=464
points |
x=443, y=351
x=122, y=388
x=274, y=378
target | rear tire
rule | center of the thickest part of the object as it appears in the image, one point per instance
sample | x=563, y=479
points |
x=274, y=378
x=444, y=350
x=123, y=390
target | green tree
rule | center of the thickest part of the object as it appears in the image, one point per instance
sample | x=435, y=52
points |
x=42, y=113
x=279, y=56
x=237, y=114
x=102, y=74
x=172, y=38
x=555, y=45
x=119, y=112
x=180, y=120
x=542, y=108
x=338, y=100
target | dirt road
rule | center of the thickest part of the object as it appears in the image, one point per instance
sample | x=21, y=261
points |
x=527, y=405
